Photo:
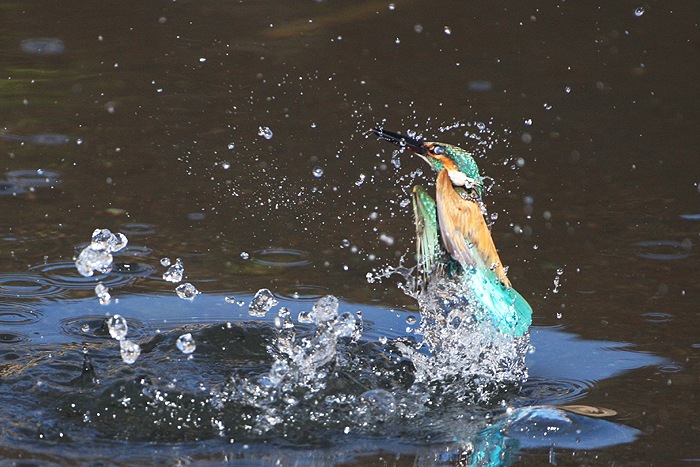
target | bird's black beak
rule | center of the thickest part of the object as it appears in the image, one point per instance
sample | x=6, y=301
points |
x=403, y=141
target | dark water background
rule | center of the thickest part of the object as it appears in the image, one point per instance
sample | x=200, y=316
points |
x=586, y=114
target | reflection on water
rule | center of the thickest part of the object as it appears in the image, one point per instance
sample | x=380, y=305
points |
x=288, y=373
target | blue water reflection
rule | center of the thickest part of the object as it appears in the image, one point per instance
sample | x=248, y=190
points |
x=563, y=367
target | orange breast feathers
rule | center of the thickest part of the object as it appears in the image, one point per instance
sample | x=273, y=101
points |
x=464, y=231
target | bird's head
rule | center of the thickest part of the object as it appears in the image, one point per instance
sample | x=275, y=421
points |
x=460, y=164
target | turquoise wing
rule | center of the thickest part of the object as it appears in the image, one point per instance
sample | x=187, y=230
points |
x=427, y=241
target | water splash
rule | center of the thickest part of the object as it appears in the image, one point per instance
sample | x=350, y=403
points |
x=462, y=353
x=187, y=291
x=102, y=293
x=117, y=327
x=97, y=257
x=175, y=272
x=262, y=303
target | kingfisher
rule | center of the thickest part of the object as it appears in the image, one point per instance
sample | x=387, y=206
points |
x=452, y=233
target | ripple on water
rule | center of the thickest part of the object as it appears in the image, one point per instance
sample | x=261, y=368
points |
x=26, y=286
x=50, y=139
x=94, y=327
x=17, y=313
x=304, y=292
x=664, y=250
x=64, y=275
x=562, y=391
x=33, y=178
x=42, y=46
x=135, y=229
x=12, y=338
x=280, y=257
x=657, y=317
x=9, y=188
x=137, y=251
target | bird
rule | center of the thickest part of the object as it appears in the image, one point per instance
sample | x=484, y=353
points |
x=452, y=234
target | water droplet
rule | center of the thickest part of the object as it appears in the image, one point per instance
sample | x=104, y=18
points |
x=494, y=216
x=361, y=180
x=386, y=239
x=90, y=261
x=102, y=293
x=418, y=28
x=245, y=255
x=528, y=122
x=225, y=165
x=567, y=89
x=557, y=280
x=186, y=343
x=317, y=171
x=447, y=30
x=411, y=319
x=392, y=6
x=639, y=11
x=117, y=327
x=344, y=243
x=175, y=272
x=305, y=317
x=261, y=303
x=345, y=326
x=129, y=350
x=325, y=309
x=397, y=41
x=98, y=255
x=186, y=291
x=165, y=262
x=231, y=146
x=230, y=299
x=265, y=132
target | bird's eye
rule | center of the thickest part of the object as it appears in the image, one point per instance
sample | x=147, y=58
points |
x=439, y=150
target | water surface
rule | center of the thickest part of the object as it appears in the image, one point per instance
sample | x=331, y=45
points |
x=144, y=118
